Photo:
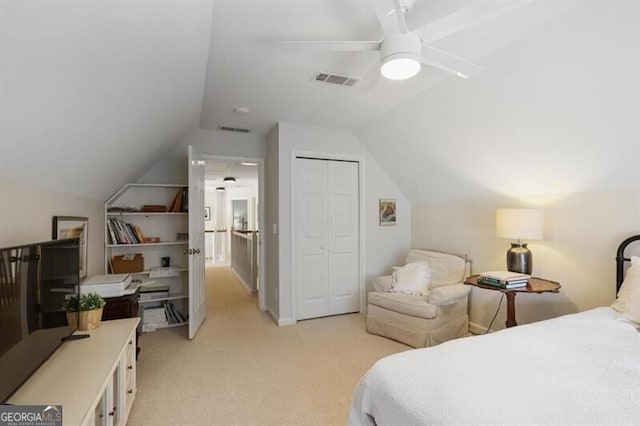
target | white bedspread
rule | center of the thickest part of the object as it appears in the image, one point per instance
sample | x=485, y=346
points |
x=581, y=368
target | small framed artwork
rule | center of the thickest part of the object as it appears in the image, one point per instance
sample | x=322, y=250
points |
x=387, y=212
x=207, y=213
x=74, y=227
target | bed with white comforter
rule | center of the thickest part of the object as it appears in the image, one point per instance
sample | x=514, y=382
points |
x=580, y=368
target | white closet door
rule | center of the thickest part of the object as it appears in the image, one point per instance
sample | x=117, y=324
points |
x=311, y=238
x=343, y=237
x=325, y=227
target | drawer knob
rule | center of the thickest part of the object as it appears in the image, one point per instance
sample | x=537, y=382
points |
x=131, y=342
x=113, y=413
x=130, y=367
x=130, y=391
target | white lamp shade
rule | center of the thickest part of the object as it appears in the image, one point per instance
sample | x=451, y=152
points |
x=520, y=224
x=400, y=66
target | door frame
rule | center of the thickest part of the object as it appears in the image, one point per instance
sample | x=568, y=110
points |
x=361, y=221
x=262, y=306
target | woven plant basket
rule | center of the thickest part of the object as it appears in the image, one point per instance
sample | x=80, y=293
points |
x=89, y=320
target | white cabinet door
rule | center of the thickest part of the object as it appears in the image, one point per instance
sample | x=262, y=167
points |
x=197, y=293
x=325, y=227
x=311, y=238
x=343, y=237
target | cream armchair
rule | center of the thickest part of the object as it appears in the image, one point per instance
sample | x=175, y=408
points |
x=422, y=321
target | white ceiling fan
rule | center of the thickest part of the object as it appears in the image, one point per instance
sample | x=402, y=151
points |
x=402, y=51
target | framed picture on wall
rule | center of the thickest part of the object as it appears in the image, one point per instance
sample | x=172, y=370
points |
x=207, y=213
x=387, y=212
x=74, y=227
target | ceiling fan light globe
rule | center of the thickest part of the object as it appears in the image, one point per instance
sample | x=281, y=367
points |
x=400, y=67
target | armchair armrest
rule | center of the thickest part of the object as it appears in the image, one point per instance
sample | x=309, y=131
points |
x=448, y=294
x=382, y=284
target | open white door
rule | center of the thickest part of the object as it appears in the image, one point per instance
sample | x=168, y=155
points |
x=197, y=293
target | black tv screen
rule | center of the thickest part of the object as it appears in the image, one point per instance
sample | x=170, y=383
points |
x=35, y=280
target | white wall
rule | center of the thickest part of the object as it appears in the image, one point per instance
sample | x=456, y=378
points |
x=27, y=213
x=172, y=166
x=582, y=232
x=272, y=220
x=555, y=112
x=93, y=92
x=553, y=121
x=384, y=246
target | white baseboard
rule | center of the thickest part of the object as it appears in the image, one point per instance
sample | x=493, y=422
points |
x=246, y=286
x=281, y=322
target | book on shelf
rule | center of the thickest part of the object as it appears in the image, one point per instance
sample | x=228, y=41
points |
x=121, y=232
x=505, y=276
x=174, y=316
x=185, y=199
x=176, y=204
x=152, y=286
x=156, y=316
x=138, y=233
x=505, y=285
x=154, y=208
x=152, y=295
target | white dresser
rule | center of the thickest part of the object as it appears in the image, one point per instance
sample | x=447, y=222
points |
x=93, y=379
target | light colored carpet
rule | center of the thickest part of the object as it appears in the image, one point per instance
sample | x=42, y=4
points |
x=243, y=369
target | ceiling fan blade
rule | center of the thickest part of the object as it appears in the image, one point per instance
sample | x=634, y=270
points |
x=450, y=63
x=390, y=15
x=330, y=46
x=399, y=15
x=465, y=18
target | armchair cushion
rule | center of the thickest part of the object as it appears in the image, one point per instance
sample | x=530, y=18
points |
x=383, y=284
x=445, y=268
x=408, y=304
x=412, y=278
x=448, y=294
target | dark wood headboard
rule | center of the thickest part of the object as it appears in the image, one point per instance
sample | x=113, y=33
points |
x=620, y=259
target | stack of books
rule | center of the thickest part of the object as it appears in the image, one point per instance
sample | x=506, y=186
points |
x=121, y=232
x=149, y=291
x=504, y=279
x=154, y=317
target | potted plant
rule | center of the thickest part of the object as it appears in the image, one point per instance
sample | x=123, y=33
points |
x=84, y=312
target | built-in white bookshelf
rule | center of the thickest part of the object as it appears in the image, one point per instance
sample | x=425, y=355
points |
x=169, y=233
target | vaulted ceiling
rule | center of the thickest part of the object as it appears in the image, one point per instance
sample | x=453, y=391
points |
x=93, y=93
x=249, y=68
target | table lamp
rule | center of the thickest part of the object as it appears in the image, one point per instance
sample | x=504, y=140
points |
x=519, y=224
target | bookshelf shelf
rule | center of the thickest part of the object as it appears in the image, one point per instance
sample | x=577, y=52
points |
x=147, y=272
x=169, y=227
x=162, y=243
x=179, y=324
x=160, y=299
x=147, y=214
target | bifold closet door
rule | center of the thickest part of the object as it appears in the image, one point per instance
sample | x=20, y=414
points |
x=325, y=227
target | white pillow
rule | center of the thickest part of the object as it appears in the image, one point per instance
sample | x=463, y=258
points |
x=412, y=278
x=628, y=302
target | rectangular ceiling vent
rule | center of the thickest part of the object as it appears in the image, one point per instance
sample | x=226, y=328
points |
x=335, y=79
x=233, y=129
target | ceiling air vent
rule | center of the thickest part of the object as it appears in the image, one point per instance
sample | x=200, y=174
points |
x=338, y=80
x=233, y=129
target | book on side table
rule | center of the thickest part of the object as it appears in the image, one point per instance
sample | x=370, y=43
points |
x=504, y=279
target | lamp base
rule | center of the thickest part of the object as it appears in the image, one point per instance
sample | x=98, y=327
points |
x=519, y=259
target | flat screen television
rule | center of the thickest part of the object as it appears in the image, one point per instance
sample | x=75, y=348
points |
x=35, y=280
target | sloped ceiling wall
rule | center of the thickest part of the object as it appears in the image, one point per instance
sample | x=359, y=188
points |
x=93, y=92
x=554, y=112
